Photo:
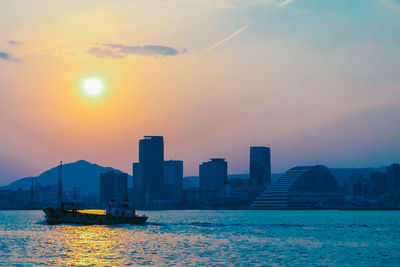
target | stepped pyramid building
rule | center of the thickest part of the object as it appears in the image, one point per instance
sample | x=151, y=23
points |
x=303, y=187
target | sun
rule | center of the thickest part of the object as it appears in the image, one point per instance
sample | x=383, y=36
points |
x=93, y=86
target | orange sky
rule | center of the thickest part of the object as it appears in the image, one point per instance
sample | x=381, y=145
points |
x=306, y=78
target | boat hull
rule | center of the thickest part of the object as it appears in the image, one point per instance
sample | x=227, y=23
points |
x=57, y=216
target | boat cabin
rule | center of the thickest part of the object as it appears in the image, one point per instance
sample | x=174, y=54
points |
x=119, y=209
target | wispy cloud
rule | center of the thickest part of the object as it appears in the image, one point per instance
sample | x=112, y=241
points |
x=116, y=51
x=284, y=3
x=391, y=3
x=13, y=42
x=147, y=50
x=232, y=4
x=8, y=57
x=4, y=55
x=229, y=37
x=105, y=52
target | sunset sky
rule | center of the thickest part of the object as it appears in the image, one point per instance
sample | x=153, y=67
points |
x=314, y=80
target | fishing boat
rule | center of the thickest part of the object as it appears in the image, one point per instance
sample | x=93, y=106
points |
x=116, y=213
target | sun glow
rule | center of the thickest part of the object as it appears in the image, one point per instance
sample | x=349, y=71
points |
x=93, y=86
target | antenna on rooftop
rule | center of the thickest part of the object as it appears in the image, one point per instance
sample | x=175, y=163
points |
x=60, y=189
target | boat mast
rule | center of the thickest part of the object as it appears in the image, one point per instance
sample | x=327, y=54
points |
x=60, y=190
x=32, y=188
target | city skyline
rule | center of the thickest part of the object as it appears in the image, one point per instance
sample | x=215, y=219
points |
x=302, y=187
x=157, y=183
x=314, y=81
x=196, y=172
x=199, y=132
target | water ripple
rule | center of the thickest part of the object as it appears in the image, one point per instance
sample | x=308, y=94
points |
x=204, y=238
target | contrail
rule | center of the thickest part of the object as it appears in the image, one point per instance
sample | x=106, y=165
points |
x=190, y=58
x=226, y=39
x=284, y=3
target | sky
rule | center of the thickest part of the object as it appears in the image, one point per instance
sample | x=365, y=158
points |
x=317, y=81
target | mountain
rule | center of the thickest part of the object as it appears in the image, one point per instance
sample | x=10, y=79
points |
x=81, y=174
x=86, y=176
x=193, y=181
x=341, y=174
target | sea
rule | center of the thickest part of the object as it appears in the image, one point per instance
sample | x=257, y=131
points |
x=207, y=238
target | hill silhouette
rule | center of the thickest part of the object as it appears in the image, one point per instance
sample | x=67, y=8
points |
x=341, y=174
x=86, y=176
x=81, y=174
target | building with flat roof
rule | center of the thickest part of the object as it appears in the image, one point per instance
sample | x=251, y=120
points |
x=173, y=179
x=136, y=194
x=113, y=186
x=378, y=183
x=393, y=181
x=213, y=175
x=151, y=167
x=260, y=165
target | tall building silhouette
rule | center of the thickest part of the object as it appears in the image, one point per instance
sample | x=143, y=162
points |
x=378, y=183
x=151, y=167
x=260, y=165
x=357, y=186
x=137, y=181
x=113, y=186
x=393, y=180
x=213, y=174
x=173, y=179
x=137, y=196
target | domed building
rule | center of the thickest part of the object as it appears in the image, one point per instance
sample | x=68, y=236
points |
x=303, y=187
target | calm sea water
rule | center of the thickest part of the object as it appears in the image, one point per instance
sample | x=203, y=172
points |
x=206, y=238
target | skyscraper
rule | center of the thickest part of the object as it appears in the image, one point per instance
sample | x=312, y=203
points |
x=393, y=179
x=173, y=179
x=113, y=186
x=137, y=181
x=137, y=196
x=214, y=175
x=378, y=183
x=151, y=167
x=260, y=165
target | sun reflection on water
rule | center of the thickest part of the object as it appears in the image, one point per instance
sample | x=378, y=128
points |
x=92, y=245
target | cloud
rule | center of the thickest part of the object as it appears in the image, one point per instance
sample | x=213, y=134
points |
x=13, y=42
x=8, y=57
x=284, y=3
x=148, y=50
x=5, y=56
x=116, y=51
x=105, y=52
x=226, y=4
x=232, y=4
x=391, y=3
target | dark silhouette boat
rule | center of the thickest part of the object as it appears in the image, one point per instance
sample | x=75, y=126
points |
x=116, y=213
